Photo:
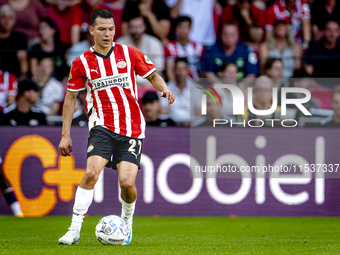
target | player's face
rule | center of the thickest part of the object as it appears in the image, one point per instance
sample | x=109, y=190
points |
x=336, y=104
x=229, y=35
x=7, y=21
x=183, y=29
x=103, y=32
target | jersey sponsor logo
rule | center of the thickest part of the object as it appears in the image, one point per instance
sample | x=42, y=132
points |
x=147, y=60
x=121, y=64
x=94, y=70
x=110, y=81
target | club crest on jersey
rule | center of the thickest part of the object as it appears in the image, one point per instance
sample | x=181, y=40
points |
x=121, y=64
x=147, y=60
x=90, y=148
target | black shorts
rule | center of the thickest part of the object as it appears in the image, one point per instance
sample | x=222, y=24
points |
x=114, y=147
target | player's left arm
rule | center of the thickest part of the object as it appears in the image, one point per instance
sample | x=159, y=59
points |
x=159, y=84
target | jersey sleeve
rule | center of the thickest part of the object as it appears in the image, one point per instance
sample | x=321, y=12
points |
x=143, y=65
x=76, y=79
x=13, y=84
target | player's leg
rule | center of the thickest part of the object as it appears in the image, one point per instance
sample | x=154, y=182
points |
x=9, y=194
x=83, y=198
x=127, y=173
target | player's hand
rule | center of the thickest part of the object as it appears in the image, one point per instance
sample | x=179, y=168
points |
x=65, y=146
x=168, y=95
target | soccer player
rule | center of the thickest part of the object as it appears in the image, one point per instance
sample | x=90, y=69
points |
x=108, y=72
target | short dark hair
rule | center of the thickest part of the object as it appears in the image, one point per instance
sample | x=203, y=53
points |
x=181, y=19
x=102, y=13
x=269, y=63
x=185, y=60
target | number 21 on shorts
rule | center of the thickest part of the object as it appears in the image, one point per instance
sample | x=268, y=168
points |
x=132, y=149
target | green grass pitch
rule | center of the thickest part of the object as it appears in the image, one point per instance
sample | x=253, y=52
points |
x=174, y=235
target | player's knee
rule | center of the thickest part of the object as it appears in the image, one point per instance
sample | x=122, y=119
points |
x=91, y=175
x=127, y=184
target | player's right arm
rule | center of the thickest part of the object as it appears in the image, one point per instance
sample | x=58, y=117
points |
x=75, y=83
x=65, y=146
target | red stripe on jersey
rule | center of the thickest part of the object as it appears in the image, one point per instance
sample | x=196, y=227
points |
x=121, y=109
x=107, y=109
x=108, y=67
x=136, y=124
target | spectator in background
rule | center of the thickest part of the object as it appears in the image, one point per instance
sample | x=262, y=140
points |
x=28, y=12
x=282, y=46
x=13, y=45
x=151, y=109
x=333, y=121
x=49, y=46
x=273, y=69
x=202, y=15
x=181, y=87
x=251, y=20
x=8, y=89
x=156, y=16
x=52, y=91
x=296, y=13
x=183, y=47
x=22, y=113
x=150, y=45
x=322, y=12
x=213, y=112
x=228, y=73
x=323, y=57
x=81, y=15
x=60, y=13
x=262, y=100
x=230, y=49
x=79, y=48
x=80, y=114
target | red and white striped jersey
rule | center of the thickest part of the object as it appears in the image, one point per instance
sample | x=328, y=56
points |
x=193, y=51
x=110, y=80
x=278, y=11
x=8, y=87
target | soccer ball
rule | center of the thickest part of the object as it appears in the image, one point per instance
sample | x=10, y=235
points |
x=111, y=230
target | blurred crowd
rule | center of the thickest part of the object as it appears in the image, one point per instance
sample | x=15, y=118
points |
x=265, y=45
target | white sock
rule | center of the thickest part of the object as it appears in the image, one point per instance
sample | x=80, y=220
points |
x=15, y=206
x=127, y=211
x=83, y=200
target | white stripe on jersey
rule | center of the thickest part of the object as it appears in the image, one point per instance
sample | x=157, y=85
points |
x=93, y=117
x=122, y=94
x=6, y=81
x=127, y=58
x=110, y=94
